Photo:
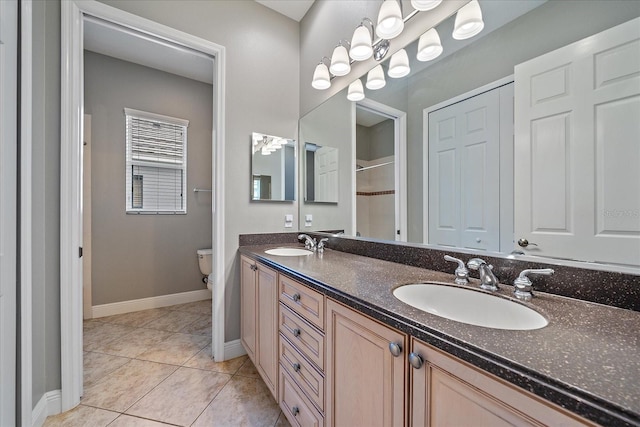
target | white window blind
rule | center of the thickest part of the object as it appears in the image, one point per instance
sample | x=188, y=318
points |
x=156, y=163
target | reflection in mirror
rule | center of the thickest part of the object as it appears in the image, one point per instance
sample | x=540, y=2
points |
x=273, y=168
x=321, y=173
x=515, y=32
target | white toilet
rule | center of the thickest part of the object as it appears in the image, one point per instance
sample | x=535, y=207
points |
x=205, y=262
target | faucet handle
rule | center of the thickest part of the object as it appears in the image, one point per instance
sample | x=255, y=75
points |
x=523, y=285
x=320, y=245
x=462, y=274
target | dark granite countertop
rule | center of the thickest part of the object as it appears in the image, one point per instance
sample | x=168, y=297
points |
x=586, y=360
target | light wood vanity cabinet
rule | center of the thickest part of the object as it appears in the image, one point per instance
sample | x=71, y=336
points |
x=302, y=353
x=365, y=381
x=328, y=364
x=259, y=319
x=446, y=391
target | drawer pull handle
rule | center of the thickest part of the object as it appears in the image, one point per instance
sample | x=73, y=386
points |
x=296, y=297
x=295, y=411
x=296, y=332
x=395, y=349
x=296, y=367
x=416, y=360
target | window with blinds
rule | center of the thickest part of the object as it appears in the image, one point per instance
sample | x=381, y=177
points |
x=156, y=163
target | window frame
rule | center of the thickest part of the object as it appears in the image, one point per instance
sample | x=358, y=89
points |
x=129, y=162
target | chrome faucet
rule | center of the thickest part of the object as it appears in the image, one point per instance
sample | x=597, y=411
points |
x=462, y=274
x=523, y=285
x=320, y=245
x=309, y=242
x=488, y=280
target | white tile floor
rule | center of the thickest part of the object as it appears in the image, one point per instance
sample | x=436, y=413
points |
x=154, y=368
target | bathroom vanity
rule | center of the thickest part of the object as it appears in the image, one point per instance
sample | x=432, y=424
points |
x=347, y=352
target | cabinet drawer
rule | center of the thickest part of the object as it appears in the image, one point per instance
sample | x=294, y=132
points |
x=295, y=405
x=302, y=372
x=302, y=335
x=303, y=300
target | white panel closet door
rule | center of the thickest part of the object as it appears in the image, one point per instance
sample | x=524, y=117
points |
x=326, y=170
x=464, y=173
x=577, y=149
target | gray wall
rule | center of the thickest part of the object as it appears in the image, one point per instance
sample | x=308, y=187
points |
x=46, y=198
x=140, y=256
x=253, y=36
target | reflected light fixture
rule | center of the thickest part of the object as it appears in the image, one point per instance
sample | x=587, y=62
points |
x=399, y=64
x=340, y=64
x=356, y=91
x=468, y=21
x=265, y=151
x=429, y=46
x=423, y=5
x=361, y=41
x=321, y=79
x=390, y=23
x=375, y=78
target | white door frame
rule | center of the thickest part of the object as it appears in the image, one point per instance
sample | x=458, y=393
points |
x=8, y=208
x=72, y=109
x=505, y=147
x=400, y=168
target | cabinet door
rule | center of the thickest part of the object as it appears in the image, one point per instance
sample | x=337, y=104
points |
x=365, y=382
x=448, y=392
x=267, y=327
x=248, y=306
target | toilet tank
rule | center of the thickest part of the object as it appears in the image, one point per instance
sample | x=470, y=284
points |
x=204, y=261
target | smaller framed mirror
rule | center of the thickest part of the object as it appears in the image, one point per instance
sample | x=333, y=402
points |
x=273, y=168
x=321, y=174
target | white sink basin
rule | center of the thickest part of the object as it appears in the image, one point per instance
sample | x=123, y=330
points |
x=469, y=306
x=288, y=252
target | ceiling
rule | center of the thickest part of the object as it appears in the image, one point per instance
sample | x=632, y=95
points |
x=294, y=9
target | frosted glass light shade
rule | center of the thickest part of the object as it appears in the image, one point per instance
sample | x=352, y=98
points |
x=423, y=5
x=340, y=65
x=399, y=64
x=361, y=49
x=468, y=21
x=390, y=23
x=375, y=78
x=265, y=151
x=429, y=46
x=356, y=91
x=321, y=78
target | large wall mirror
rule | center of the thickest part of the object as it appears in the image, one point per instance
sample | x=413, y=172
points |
x=477, y=75
x=273, y=168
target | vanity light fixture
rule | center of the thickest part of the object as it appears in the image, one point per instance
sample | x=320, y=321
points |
x=361, y=41
x=468, y=21
x=321, y=79
x=390, y=23
x=429, y=46
x=399, y=64
x=356, y=91
x=340, y=64
x=375, y=78
x=265, y=151
x=423, y=5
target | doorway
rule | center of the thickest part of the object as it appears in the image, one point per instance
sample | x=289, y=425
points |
x=380, y=172
x=74, y=15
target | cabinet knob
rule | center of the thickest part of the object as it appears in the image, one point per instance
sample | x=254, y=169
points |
x=254, y=267
x=296, y=332
x=416, y=360
x=296, y=367
x=296, y=297
x=295, y=411
x=395, y=349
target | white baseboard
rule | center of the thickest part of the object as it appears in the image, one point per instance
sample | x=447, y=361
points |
x=233, y=349
x=49, y=404
x=148, y=303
